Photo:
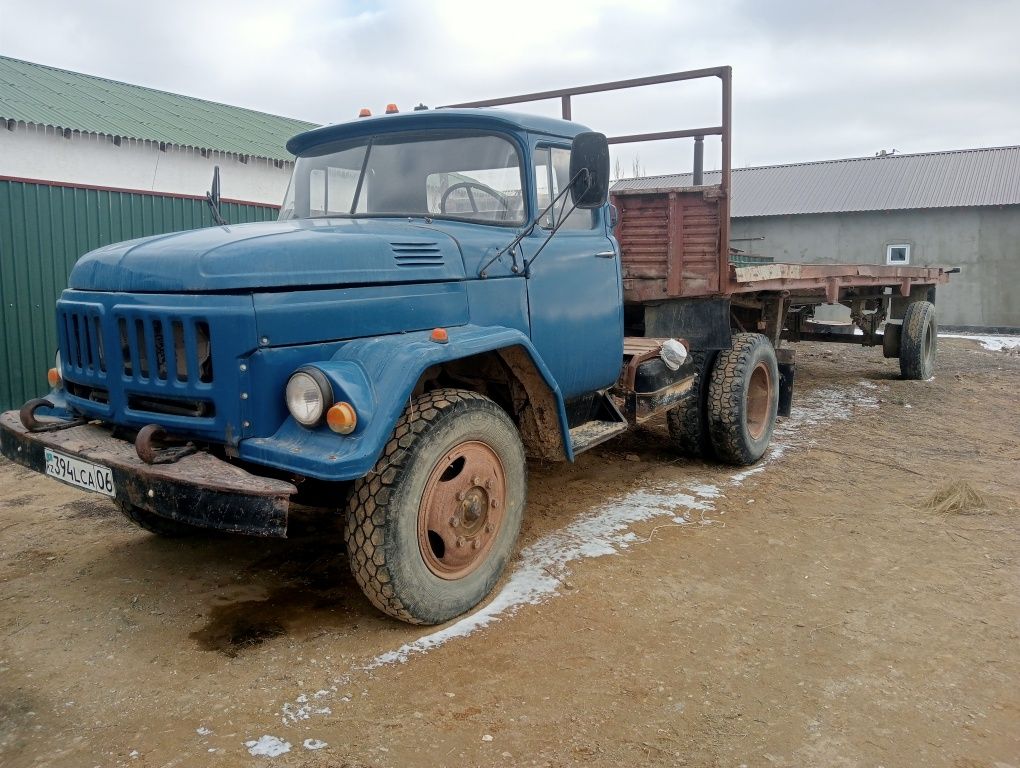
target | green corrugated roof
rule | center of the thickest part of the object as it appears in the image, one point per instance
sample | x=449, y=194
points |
x=34, y=93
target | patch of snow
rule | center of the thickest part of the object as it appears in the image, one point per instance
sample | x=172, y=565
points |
x=314, y=744
x=602, y=531
x=267, y=746
x=203, y=731
x=993, y=343
x=705, y=490
x=300, y=709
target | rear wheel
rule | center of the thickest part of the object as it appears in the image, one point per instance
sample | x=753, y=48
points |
x=161, y=526
x=743, y=399
x=918, y=341
x=687, y=422
x=431, y=527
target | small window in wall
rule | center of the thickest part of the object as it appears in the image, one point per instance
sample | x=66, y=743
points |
x=897, y=254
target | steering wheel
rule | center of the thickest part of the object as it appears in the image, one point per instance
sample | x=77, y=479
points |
x=468, y=186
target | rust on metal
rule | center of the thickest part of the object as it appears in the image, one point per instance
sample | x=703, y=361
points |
x=638, y=407
x=200, y=489
x=638, y=350
x=150, y=454
x=759, y=400
x=28, y=420
x=461, y=510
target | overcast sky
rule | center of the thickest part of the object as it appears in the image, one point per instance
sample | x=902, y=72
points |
x=812, y=80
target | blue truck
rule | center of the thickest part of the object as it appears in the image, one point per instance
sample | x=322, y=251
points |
x=443, y=296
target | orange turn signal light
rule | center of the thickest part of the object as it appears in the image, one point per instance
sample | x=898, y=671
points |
x=391, y=109
x=365, y=112
x=342, y=418
x=53, y=378
x=440, y=336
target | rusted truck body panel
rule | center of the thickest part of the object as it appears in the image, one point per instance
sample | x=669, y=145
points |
x=670, y=243
x=671, y=240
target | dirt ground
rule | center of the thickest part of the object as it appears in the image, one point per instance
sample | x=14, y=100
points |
x=812, y=613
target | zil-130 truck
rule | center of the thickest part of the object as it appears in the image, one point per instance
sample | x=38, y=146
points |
x=446, y=293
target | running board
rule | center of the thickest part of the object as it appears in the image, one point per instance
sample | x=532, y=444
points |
x=597, y=431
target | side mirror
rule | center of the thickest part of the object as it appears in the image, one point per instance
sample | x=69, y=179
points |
x=589, y=157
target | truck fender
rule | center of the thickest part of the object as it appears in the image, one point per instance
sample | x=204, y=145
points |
x=378, y=377
x=395, y=364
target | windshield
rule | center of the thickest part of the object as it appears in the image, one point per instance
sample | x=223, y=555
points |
x=447, y=174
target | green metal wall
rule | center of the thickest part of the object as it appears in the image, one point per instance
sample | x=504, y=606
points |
x=43, y=230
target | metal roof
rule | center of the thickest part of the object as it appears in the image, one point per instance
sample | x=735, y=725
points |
x=34, y=93
x=956, y=178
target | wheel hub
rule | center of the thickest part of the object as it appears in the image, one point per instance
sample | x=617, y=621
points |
x=461, y=510
x=759, y=400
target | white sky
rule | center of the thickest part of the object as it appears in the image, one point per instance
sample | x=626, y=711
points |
x=812, y=80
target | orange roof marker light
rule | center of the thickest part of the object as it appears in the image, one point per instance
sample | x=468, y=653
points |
x=342, y=418
x=391, y=109
x=440, y=336
x=365, y=112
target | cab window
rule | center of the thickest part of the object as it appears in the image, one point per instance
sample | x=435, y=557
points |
x=552, y=172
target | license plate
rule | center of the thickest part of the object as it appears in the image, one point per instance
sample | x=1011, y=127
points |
x=83, y=474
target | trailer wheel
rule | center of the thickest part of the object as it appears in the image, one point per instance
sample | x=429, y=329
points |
x=687, y=422
x=918, y=341
x=743, y=399
x=153, y=523
x=431, y=527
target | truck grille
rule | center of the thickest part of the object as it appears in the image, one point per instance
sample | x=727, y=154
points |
x=84, y=336
x=152, y=359
x=165, y=349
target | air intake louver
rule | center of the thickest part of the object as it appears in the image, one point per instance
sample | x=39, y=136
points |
x=417, y=254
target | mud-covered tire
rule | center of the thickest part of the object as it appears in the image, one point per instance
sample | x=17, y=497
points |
x=382, y=516
x=918, y=341
x=161, y=526
x=687, y=421
x=743, y=399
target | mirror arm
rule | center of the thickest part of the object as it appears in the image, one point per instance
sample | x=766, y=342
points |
x=531, y=228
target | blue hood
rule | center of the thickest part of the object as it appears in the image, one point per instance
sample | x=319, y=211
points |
x=284, y=254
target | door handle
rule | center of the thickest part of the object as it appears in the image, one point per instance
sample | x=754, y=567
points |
x=605, y=255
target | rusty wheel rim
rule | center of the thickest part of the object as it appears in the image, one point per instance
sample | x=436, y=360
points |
x=461, y=510
x=759, y=400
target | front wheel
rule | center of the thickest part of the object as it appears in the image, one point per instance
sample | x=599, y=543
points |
x=743, y=399
x=431, y=527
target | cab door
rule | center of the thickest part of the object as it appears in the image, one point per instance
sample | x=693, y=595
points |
x=575, y=293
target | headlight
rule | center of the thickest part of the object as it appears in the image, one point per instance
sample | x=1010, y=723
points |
x=55, y=375
x=308, y=396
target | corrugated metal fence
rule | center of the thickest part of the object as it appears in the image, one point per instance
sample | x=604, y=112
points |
x=44, y=228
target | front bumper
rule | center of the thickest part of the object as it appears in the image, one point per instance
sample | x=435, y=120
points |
x=199, y=489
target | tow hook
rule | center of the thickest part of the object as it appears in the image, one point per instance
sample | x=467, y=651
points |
x=150, y=454
x=32, y=424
